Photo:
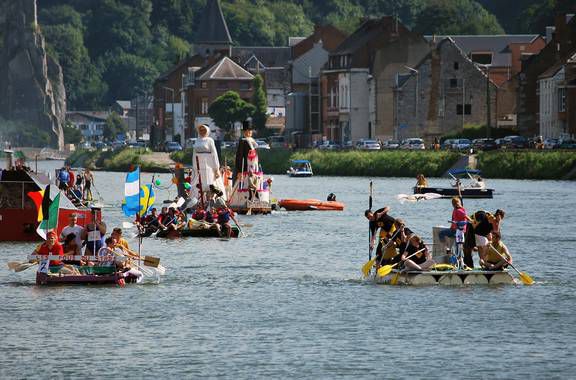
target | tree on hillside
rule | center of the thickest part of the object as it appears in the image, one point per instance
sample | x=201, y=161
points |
x=260, y=103
x=72, y=135
x=229, y=108
x=132, y=75
x=456, y=17
x=538, y=16
x=114, y=126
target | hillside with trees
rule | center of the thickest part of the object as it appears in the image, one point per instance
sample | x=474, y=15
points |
x=114, y=49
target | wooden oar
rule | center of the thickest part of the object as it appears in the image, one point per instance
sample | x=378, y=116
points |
x=19, y=267
x=383, y=271
x=369, y=229
x=524, y=277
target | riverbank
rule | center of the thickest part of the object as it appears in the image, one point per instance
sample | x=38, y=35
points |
x=556, y=165
x=122, y=160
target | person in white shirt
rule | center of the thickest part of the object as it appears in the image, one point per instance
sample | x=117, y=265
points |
x=73, y=228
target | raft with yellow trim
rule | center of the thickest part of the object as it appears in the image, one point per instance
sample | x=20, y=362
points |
x=310, y=205
x=448, y=277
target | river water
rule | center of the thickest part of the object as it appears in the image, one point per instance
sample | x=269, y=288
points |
x=288, y=300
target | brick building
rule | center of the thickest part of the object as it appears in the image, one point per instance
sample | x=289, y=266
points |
x=442, y=93
x=561, y=43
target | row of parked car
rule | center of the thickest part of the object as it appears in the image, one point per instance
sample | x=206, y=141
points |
x=508, y=142
x=368, y=144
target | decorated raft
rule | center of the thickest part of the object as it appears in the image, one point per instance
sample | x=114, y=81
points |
x=451, y=278
x=194, y=232
x=94, y=275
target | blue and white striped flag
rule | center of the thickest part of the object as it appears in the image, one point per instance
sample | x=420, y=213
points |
x=131, y=204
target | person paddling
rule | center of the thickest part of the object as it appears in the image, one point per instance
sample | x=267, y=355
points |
x=498, y=256
x=380, y=219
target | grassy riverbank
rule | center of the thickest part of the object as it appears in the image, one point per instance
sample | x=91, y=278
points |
x=350, y=163
x=395, y=163
x=117, y=161
x=528, y=165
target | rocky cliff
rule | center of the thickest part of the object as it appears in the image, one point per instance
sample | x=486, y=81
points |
x=31, y=83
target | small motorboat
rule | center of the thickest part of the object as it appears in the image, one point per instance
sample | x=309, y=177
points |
x=310, y=205
x=300, y=168
x=475, y=188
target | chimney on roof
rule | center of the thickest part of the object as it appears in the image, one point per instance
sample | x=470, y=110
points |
x=549, y=33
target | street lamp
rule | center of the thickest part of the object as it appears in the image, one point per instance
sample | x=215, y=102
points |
x=171, y=104
x=488, y=102
x=417, y=88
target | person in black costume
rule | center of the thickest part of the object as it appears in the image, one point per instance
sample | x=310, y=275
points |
x=245, y=145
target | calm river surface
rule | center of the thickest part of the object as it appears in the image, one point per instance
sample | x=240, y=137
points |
x=288, y=301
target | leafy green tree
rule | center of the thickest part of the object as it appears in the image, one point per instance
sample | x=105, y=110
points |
x=114, y=127
x=456, y=17
x=229, y=108
x=130, y=74
x=72, y=135
x=260, y=103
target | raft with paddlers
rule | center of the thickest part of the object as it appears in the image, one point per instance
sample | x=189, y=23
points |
x=195, y=232
x=310, y=204
x=148, y=267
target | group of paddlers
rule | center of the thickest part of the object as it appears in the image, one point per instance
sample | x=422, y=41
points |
x=399, y=245
x=91, y=245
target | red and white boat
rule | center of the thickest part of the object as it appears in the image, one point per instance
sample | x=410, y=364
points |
x=18, y=213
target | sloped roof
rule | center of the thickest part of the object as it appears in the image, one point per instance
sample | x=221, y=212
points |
x=225, y=69
x=496, y=44
x=96, y=115
x=369, y=30
x=552, y=71
x=124, y=104
x=269, y=56
x=320, y=31
x=213, y=27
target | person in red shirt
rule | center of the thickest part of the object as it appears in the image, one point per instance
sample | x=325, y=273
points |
x=458, y=215
x=51, y=247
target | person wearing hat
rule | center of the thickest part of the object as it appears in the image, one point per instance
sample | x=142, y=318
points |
x=205, y=152
x=51, y=247
x=246, y=156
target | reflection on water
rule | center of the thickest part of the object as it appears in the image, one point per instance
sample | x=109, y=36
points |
x=288, y=300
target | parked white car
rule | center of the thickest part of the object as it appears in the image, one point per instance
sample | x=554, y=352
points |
x=413, y=144
x=391, y=144
x=262, y=144
x=367, y=145
x=462, y=144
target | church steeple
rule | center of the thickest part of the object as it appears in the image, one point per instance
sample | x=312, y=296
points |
x=213, y=35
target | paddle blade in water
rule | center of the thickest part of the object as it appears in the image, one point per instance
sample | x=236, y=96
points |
x=366, y=267
x=394, y=280
x=383, y=271
x=526, y=279
x=12, y=265
x=151, y=261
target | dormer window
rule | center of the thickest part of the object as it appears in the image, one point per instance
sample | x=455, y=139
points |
x=483, y=58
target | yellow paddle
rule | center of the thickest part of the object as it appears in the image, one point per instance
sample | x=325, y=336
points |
x=524, y=277
x=383, y=271
x=370, y=263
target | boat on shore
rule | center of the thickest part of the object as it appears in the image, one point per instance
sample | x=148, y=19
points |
x=452, y=278
x=474, y=188
x=300, y=169
x=310, y=205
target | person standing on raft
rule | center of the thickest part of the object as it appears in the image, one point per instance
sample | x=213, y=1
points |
x=246, y=156
x=205, y=151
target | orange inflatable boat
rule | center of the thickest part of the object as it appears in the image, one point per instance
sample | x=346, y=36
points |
x=310, y=204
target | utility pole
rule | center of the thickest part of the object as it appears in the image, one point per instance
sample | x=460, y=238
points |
x=488, y=116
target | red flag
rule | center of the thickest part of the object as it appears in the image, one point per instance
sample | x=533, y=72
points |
x=37, y=197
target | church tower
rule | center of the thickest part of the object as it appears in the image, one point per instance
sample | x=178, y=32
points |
x=213, y=36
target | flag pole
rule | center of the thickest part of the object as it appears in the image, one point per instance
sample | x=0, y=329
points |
x=138, y=216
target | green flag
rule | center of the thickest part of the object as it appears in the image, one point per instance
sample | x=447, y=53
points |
x=50, y=219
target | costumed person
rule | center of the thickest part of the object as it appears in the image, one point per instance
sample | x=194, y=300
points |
x=205, y=151
x=246, y=156
x=421, y=181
